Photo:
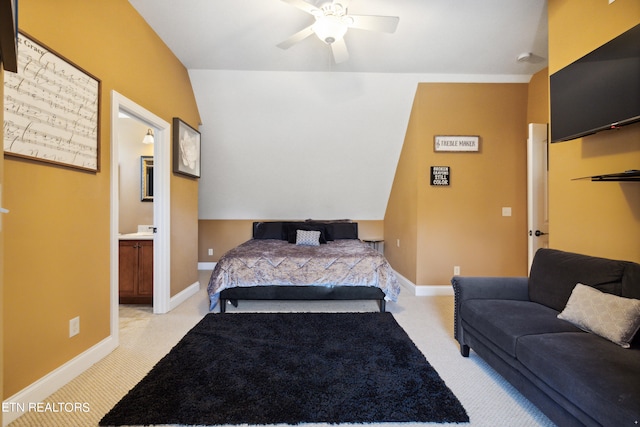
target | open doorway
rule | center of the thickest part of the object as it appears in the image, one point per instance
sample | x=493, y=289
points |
x=120, y=105
x=135, y=216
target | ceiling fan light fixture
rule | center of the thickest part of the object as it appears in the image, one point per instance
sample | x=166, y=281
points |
x=332, y=21
x=330, y=28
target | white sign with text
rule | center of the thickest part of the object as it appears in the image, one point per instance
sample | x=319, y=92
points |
x=457, y=143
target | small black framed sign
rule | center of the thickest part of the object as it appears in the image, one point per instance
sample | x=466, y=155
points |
x=440, y=176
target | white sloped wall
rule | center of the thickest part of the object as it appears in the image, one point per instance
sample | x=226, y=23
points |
x=294, y=145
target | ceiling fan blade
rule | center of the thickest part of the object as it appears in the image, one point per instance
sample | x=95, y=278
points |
x=385, y=24
x=303, y=5
x=299, y=36
x=339, y=50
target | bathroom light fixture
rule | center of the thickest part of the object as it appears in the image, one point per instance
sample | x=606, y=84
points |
x=148, y=138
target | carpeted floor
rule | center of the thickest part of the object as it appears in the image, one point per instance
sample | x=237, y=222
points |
x=272, y=368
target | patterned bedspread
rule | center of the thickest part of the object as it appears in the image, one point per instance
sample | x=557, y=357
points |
x=276, y=262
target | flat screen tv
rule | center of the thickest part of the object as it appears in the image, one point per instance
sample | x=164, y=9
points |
x=599, y=91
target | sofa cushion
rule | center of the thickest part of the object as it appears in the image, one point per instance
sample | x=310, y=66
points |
x=503, y=322
x=589, y=371
x=555, y=273
x=614, y=318
x=631, y=281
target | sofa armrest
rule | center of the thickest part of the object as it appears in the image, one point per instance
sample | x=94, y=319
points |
x=466, y=288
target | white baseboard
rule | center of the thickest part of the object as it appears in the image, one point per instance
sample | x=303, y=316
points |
x=206, y=265
x=434, y=290
x=183, y=295
x=35, y=393
x=424, y=291
x=406, y=283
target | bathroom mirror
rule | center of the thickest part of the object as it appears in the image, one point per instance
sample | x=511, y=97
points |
x=146, y=178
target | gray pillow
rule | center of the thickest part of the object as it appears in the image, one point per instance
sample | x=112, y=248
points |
x=308, y=238
x=614, y=318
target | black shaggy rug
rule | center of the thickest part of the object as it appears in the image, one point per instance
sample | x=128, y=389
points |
x=270, y=368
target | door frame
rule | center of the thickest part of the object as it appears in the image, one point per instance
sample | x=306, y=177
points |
x=537, y=188
x=161, y=205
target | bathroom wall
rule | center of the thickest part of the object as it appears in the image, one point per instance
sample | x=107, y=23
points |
x=132, y=210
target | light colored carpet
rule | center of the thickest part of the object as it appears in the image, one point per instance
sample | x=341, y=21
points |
x=145, y=338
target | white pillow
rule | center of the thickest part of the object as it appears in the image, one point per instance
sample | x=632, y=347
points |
x=609, y=316
x=307, y=238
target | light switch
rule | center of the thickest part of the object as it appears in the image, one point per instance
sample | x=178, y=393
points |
x=506, y=211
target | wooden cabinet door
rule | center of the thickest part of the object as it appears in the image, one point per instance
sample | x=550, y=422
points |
x=145, y=268
x=128, y=277
x=136, y=272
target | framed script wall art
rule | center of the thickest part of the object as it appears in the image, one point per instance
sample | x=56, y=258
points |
x=186, y=149
x=51, y=109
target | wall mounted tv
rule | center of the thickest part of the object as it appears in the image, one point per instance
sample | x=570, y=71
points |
x=599, y=91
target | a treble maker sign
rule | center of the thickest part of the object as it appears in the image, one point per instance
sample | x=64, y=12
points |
x=457, y=143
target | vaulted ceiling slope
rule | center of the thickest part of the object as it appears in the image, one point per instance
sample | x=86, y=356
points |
x=268, y=112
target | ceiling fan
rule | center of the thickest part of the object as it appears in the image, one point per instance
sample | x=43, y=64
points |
x=333, y=21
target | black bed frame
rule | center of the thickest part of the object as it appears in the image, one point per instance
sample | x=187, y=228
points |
x=273, y=230
x=301, y=293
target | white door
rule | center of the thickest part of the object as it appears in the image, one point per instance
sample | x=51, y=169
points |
x=537, y=188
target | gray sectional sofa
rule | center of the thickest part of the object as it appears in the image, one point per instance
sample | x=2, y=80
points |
x=575, y=368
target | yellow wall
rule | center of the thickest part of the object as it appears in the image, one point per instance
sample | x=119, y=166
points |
x=595, y=218
x=1, y=255
x=461, y=224
x=400, y=220
x=57, y=235
x=184, y=231
x=538, y=98
x=223, y=235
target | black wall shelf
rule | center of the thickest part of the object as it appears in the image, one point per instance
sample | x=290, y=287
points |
x=630, y=175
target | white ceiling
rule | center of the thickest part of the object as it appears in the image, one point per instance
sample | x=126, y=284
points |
x=290, y=134
x=433, y=36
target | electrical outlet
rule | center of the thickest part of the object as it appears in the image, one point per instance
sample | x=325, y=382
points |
x=506, y=211
x=456, y=270
x=210, y=252
x=74, y=326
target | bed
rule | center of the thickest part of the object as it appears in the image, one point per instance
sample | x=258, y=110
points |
x=279, y=264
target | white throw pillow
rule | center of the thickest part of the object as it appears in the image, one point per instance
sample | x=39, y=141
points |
x=609, y=316
x=307, y=238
